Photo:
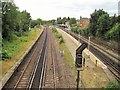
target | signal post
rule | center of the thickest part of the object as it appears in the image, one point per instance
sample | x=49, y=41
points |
x=79, y=62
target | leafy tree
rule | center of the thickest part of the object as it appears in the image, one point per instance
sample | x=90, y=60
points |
x=94, y=19
x=53, y=21
x=118, y=19
x=14, y=20
x=25, y=20
x=72, y=21
x=59, y=20
x=64, y=20
x=103, y=25
x=9, y=16
x=113, y=20
x=75, y=28
x=33, y=23
x=114, y=32
x=68, y=18
x=39, y=21
x=80, y=17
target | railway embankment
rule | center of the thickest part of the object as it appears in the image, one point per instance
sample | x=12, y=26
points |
x=10, y=65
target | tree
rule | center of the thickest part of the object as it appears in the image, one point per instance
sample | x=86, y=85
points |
x=113, y=20
x=94, y=19
x=39, y=21
x=33, y=23
x=114, y=32
x=59, y=20
x=14, y=20
x=103, y=25
x=68, y=18
x=64, y=20
x=53, y=21
x=118, y=19
x=80, y=17
x=72, y=21
x=25, y=20
x=9, y=16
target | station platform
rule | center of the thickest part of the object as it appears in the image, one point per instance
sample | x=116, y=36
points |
x=93, y=75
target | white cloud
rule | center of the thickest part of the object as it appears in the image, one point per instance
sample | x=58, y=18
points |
x=51, y=9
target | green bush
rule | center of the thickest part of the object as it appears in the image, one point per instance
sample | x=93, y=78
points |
x=61, y=40
x=5, y=55
x=113, y=33
x=57, y=35
x=75, y=28
x=112, y=85
x=54, y=30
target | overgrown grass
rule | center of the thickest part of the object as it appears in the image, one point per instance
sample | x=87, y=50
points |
x=67, y=55
x=10, y=48
x=112, y=85
x=58, y=36
x=14, y=49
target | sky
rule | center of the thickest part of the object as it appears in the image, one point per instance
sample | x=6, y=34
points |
x=51, y=9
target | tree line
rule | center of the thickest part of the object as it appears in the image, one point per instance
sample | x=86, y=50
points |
x=15, y=21
x=101, y=25
x=104, y=26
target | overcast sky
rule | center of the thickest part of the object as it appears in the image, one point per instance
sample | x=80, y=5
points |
x=51, y=9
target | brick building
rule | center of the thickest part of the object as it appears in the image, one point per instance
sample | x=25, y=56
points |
x=83, y=22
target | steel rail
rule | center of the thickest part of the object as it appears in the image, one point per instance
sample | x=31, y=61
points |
x=23, y=72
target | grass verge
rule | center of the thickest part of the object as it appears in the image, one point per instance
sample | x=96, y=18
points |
x=67, y=55
x=15, y=49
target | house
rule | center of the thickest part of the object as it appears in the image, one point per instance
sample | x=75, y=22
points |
x=83, y=22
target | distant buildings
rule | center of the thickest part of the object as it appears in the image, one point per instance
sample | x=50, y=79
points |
x=119, y=8
x=83, y=22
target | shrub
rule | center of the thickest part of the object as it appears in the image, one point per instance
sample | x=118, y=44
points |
x=61, y=40
x=57, y=35
x=113, y=84
x=113, y=33
x=54, y=30
x=5, y=55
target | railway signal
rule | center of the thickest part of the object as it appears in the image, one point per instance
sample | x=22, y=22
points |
x=79, y=61
x=79, y=50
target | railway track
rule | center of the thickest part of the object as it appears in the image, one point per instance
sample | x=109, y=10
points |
x=25, y=74
x=51, y=75
x=40, y=67
x=37, y=77
x=55, y=77
x=108, y=59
